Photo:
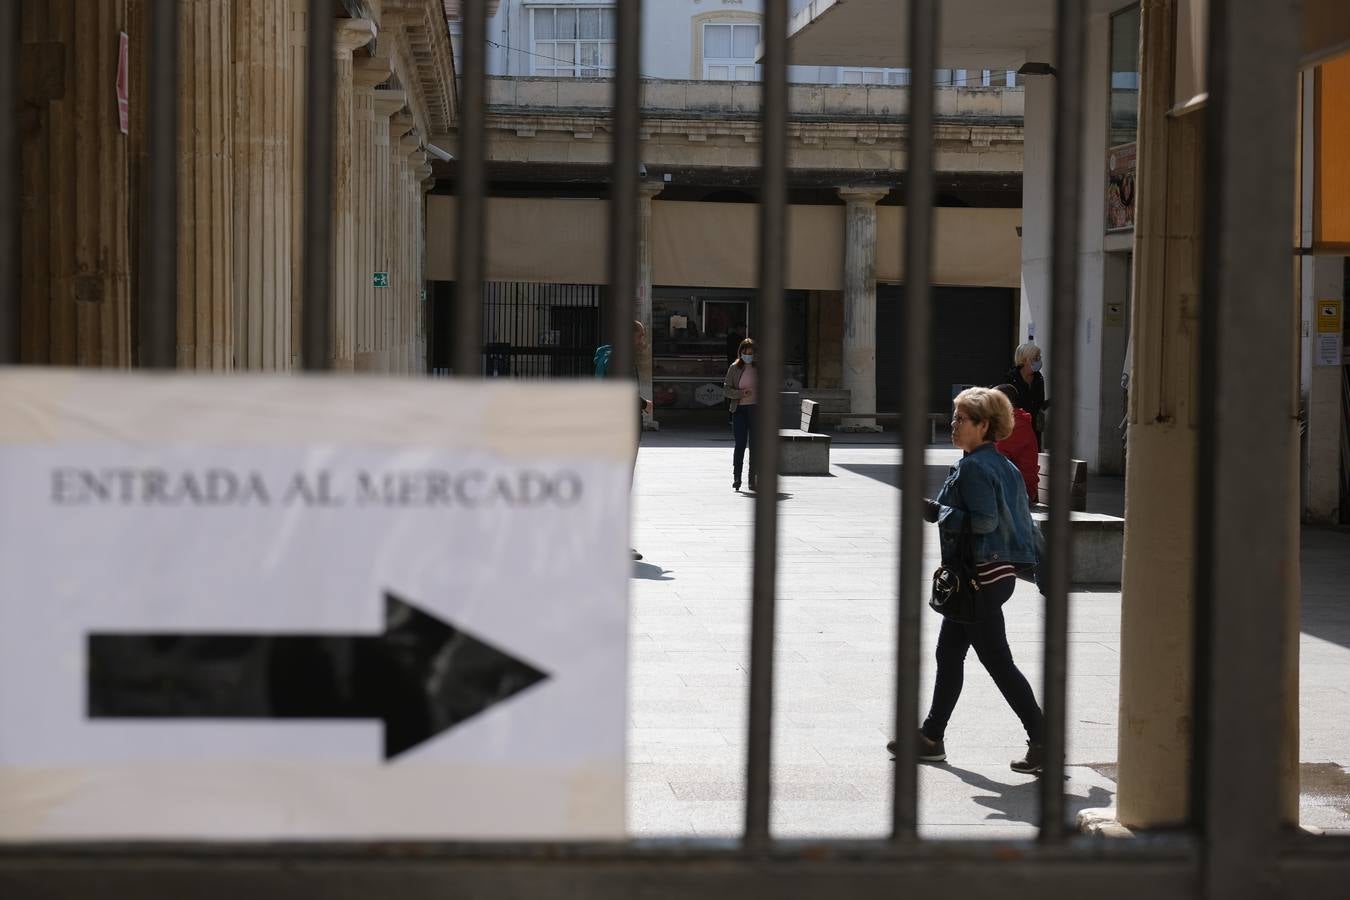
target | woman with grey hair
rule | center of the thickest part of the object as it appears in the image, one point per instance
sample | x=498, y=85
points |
x=1025, y=375
x=984, y=498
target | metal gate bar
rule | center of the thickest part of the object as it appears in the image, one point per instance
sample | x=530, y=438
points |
x=1070, y=37
x=766, y=446
x=470, y=188
x=1246, y=421
x=1240, y=851
x=10, y=321
x=924, y=31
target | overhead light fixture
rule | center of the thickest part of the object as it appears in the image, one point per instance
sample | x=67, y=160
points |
x=1037, y=68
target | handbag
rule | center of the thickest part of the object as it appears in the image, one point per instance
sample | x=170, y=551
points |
x=956, y=592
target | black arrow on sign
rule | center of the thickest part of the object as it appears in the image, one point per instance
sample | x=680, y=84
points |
x=421, y=677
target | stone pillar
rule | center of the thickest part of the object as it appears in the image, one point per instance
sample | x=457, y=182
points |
x=75, y=188
x=647, y=192
x=367, y=177
x=262, y=185
x=860, y=305
x=1157, y=675
x=408, y=195
x=351, y=34
x=297, y=23
x=385, y=103
x=206, y=186
x=396, y=244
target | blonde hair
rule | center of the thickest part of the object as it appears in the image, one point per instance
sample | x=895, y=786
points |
x=987, y=405
x=1025, y=352
x=747, y=344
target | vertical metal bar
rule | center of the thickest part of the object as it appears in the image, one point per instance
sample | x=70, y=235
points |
x=623, y=189
x=1070, y=32
x=157, y=311
x=1247, y=425
x=765, y=448
x=918, y=253
x=316, y=315
x=470, y=189
x=10, y=312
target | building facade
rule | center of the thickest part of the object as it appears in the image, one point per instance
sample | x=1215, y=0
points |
x=548, y=124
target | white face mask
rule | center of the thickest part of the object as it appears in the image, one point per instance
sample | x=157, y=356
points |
x=1036, y=366
x=747, y=358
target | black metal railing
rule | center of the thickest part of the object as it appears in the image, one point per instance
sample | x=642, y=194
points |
x=1235, y=848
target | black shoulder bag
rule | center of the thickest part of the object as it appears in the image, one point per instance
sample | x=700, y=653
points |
x=956, y=588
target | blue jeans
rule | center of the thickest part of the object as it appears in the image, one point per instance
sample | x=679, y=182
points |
x=740, y=429
x=990, y=640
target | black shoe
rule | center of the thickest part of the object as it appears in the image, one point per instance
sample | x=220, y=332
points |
x=736, y=485
x=929, y=750
x=1031, y=763
x=637, y=555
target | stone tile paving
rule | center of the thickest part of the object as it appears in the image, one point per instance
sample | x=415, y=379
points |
x=834, y=681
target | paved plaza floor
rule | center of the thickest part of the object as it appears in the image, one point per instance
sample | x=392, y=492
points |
x=835, y=662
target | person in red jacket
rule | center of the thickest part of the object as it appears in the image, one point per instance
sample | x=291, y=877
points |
x=1020, y=446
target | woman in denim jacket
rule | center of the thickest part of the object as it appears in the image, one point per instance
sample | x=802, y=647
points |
x=987, y=489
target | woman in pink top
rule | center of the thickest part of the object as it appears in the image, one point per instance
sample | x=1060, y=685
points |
x=742, y=389
x=1021, y=447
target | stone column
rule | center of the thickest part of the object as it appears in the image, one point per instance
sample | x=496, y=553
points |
x=1157, y=675
x=75, y=188
x=385, y=103
x=262, y=185
x=297, y=23
x=351, y=34
x=408, y=195
x=647, y=192
x=396, y=244
x=860, y=305
x=368, y=210
x=206, y=186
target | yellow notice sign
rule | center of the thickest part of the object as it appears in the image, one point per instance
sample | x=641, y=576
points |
x=1329, y=317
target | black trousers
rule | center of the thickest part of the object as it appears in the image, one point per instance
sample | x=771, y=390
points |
x=990, y=640
x=740, y=430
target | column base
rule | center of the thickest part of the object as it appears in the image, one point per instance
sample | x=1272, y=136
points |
x=650, y=424
x=859, y=425
x=1102, y=823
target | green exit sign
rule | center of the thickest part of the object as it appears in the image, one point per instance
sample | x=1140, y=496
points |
x=379, y=279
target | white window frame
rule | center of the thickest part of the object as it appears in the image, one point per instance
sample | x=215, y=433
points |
x=547, y=62
x=732, y=63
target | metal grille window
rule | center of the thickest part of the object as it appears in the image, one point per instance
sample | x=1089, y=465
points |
x=572, y=41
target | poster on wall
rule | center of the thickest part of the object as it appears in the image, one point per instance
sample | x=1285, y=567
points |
x=1120, y=168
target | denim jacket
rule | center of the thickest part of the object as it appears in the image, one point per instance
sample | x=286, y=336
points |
x=987, y=487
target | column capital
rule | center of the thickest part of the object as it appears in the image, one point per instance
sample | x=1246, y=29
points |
x=387, y=102
x=370, y=71
x=863, y=194
x=400, y=124
x=648, y=189
x=349, y=34
x=408, y=145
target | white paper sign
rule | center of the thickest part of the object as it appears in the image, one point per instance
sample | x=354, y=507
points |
x=264, y=608
x=1328, y=350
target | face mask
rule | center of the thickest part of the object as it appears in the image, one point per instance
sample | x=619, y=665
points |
x=747, y=358
x=1036, y=366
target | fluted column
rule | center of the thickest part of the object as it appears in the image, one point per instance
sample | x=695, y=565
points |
x=417, y=363
x=297, y=23
x=413, y=161
x=368, y=211
x=385, y=103
x=262, y=185
x=351, y=34
x=75, y=289
x=401, y=143
x=206, y=186
x=860, y=306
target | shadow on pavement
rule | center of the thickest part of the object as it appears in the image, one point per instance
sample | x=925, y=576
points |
x=1021, y=802
x=889, y=473
x=748, y=494
x=1325, y=567
x=651, y=573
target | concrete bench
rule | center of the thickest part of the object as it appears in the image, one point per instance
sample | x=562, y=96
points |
x=803, y=452
x=1078, y=492
x=1097, y=543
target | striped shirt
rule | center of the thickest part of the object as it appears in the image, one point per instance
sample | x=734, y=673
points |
x=993, y=572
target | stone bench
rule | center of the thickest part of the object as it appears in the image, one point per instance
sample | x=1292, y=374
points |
x=802, y=452
x=1097, y=542
x=1077, y=493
